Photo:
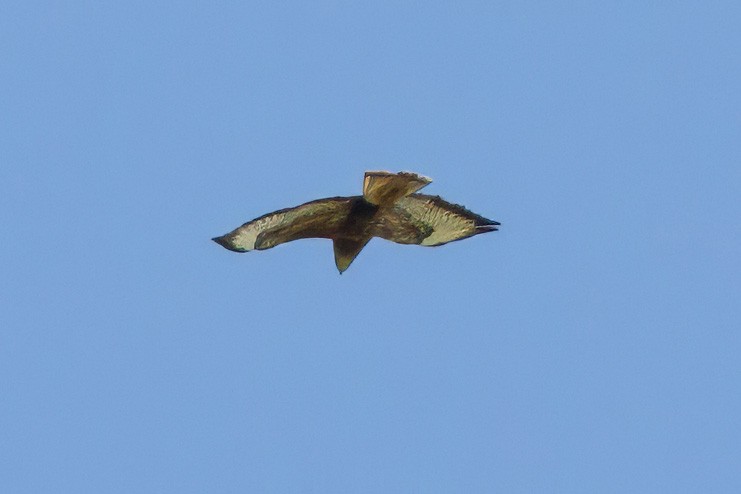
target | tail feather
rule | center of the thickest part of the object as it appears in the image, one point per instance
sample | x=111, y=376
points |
x=385, y=188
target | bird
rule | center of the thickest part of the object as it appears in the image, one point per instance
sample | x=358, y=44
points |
x=390, y=208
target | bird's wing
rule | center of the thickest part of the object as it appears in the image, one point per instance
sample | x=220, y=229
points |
x=383, y=188
x=430, y=220
x=322, y=218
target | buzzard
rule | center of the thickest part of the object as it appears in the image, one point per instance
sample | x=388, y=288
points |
x=389, y=208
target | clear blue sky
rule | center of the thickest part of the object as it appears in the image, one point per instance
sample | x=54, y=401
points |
x=591, y=345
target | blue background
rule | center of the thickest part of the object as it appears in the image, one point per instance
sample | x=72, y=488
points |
x=591, y=345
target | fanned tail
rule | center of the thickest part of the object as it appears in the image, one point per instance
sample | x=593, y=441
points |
x=385, y=188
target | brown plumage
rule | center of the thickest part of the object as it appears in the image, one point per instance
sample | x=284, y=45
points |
x=389, y=208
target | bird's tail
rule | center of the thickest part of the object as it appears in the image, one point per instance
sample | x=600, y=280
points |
x=385, y=188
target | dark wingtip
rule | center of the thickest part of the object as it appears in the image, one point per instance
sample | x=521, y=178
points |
x=226, y=242
x=484, y=225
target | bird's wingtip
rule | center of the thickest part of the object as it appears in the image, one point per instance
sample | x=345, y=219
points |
x=486, y=225
x=226, y=242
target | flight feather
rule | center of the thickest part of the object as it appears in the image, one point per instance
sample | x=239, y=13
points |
x=390, y=208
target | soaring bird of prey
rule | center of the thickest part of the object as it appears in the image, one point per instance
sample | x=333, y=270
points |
x=389, y=208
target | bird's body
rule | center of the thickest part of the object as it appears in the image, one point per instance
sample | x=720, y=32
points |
x=389, y=208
